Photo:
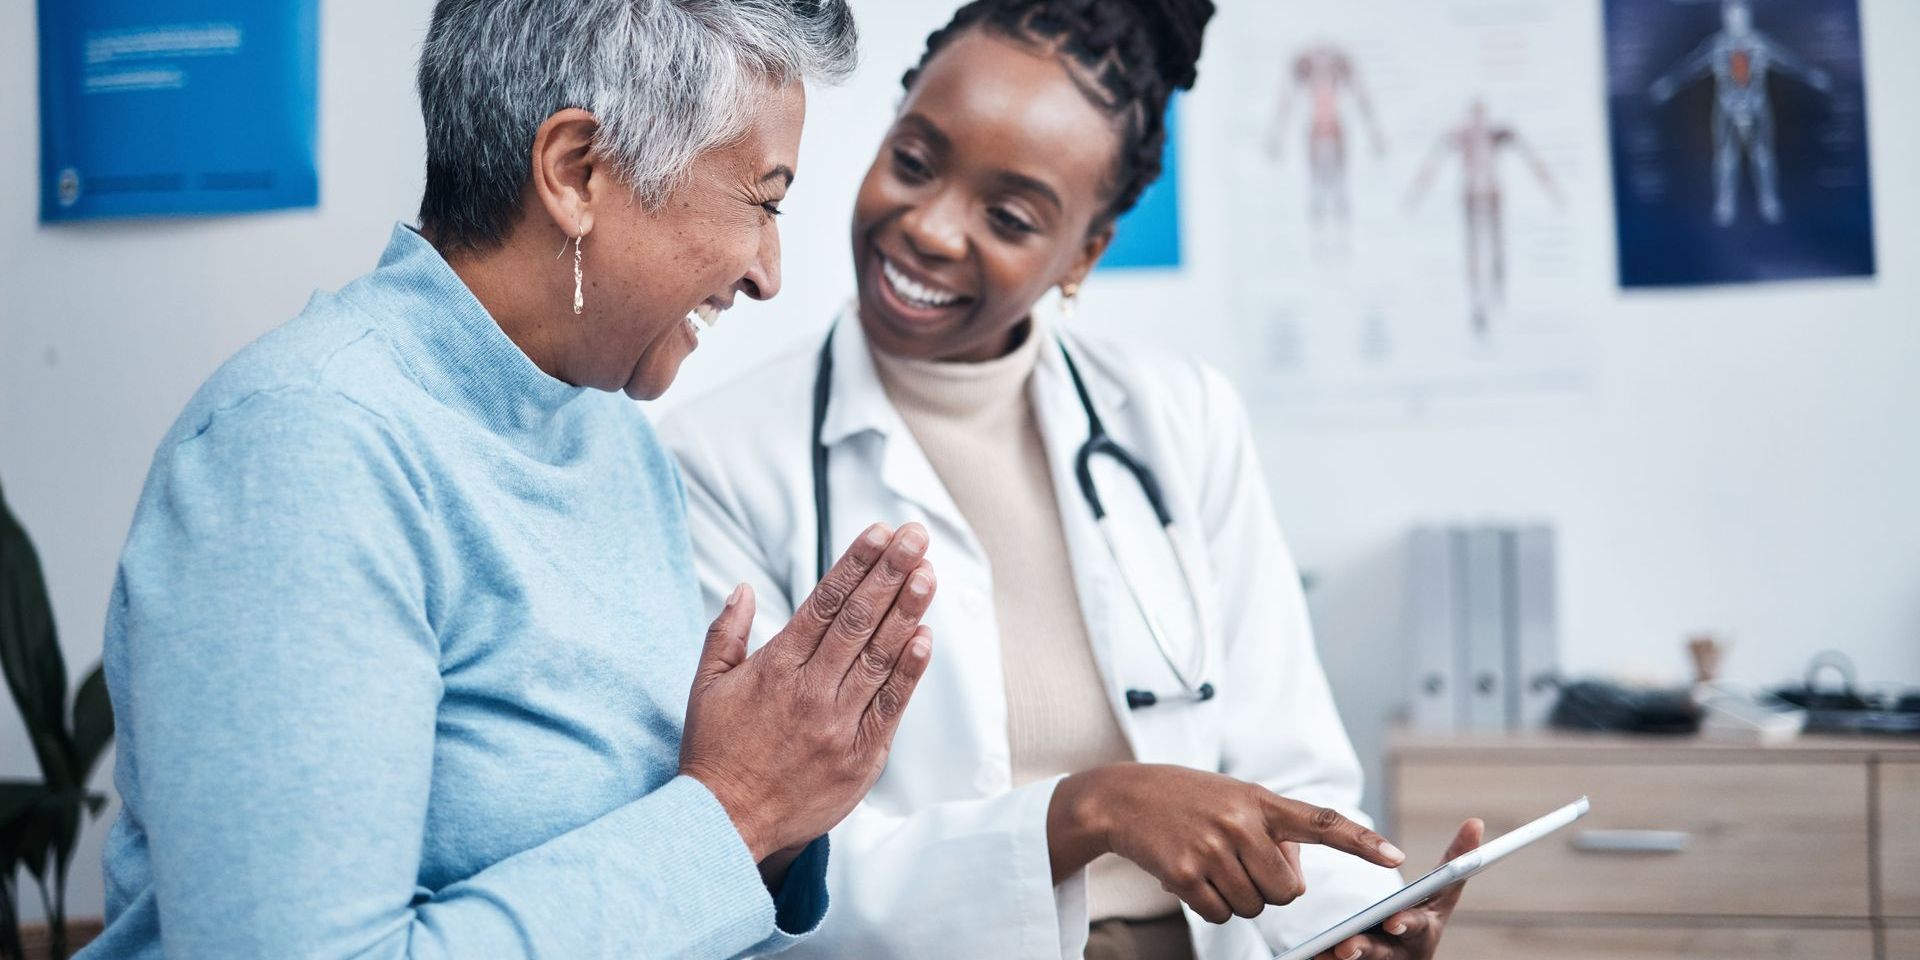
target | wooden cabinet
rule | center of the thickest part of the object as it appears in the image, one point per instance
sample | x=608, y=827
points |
x=1482, y=940
x=1692, y=849
x=1903, y=943
x=1743, y=826
x=1899, y=830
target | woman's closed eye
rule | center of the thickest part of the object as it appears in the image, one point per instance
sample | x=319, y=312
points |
x=910, y=167
x=1009, y=221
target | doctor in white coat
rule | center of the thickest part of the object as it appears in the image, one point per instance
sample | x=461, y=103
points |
x=1110, y=755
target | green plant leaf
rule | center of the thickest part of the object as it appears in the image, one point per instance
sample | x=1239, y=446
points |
x=16, y=798
x=92, y=723
x=64, y=811
x=30, y=651
x=37, y=828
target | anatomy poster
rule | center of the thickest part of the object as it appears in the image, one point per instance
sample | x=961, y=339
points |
x=1420, y=200
x=1739, y=140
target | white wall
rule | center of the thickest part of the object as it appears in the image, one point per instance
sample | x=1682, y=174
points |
x=1746, y=460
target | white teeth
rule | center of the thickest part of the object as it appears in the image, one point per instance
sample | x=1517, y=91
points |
x=916, y=294
x=704, y=317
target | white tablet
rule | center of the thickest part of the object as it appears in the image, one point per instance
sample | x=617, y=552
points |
x=1448, y=874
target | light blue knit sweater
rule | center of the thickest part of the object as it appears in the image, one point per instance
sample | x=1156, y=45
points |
x=400, y=650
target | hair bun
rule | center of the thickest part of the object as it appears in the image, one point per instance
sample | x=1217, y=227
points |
x=1178, y=27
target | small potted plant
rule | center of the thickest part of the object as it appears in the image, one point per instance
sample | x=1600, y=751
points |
x=40, y=820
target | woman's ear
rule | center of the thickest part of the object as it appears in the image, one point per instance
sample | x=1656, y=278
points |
x=1098, y=239
x=566, y=172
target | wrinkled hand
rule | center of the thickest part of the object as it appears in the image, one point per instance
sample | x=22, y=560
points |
x=1413, y=934
x=790, y=738
x=1223, y=846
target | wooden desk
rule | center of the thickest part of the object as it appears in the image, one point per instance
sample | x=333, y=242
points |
x=1808, y=850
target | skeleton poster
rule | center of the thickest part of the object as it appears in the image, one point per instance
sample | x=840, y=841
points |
x=1420, y=200
x=1739, y=134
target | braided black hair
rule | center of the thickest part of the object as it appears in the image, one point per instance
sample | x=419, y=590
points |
x=1135, y=53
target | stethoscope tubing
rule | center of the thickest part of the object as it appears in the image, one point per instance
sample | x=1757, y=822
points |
x=1098, y=443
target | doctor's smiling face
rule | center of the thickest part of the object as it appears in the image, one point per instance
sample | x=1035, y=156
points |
x=994, y=184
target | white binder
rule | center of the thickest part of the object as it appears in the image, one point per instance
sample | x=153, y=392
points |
x=1433, y=620
x=1534, y=667
x=1483, y=649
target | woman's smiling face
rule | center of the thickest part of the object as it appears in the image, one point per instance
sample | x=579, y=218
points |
x=991, y=187
x=714, y=237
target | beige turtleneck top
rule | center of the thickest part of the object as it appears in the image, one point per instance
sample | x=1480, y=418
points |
x=976, y=423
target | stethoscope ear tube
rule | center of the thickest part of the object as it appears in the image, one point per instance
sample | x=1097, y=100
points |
x=822, y=514
x=1099, y=443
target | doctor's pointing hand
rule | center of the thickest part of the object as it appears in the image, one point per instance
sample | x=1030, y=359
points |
x=1225, y=847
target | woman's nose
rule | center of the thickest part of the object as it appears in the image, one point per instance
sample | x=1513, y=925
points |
x=937, y=229
x=762, y=281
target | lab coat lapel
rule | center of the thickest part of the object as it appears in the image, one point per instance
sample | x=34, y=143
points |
x=1063, y=429
x=860, y=405
x=960, y=709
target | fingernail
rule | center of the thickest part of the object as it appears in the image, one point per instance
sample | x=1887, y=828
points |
x=1396, y=928
x=1391, y=852
x=920, y=584
x=914, y=541
x=734, y=597
x=922, y=645
x=876, y=536
x=1351, y=954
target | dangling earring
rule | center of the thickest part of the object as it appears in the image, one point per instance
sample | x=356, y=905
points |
x=579, y=300
x=1069, y=300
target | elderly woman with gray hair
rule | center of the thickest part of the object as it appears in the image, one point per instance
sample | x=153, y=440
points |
x=407, y=626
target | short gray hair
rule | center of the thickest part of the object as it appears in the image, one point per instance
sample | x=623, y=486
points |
x=667, y=79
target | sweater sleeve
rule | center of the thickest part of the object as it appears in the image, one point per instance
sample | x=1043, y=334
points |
x=280, y=687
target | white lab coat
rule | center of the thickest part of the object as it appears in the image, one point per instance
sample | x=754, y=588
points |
x=945, y=858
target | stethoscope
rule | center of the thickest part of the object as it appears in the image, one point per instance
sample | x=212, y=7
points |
x=1194, y=686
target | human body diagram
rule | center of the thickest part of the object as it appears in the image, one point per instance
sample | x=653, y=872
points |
x=1325, y=78
x=1478, y=142
x=1739, y=58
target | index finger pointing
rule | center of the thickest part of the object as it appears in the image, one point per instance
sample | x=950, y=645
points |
x=1289, y=819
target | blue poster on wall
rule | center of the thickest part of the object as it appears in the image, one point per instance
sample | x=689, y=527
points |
x=1149, y=235
x=156, y=107
x=1739, y=132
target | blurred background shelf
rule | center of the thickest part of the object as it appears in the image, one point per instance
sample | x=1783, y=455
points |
x=1694, y=849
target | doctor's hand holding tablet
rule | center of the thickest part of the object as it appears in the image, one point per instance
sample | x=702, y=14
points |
x=1408, y=922
x=1412, y=933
